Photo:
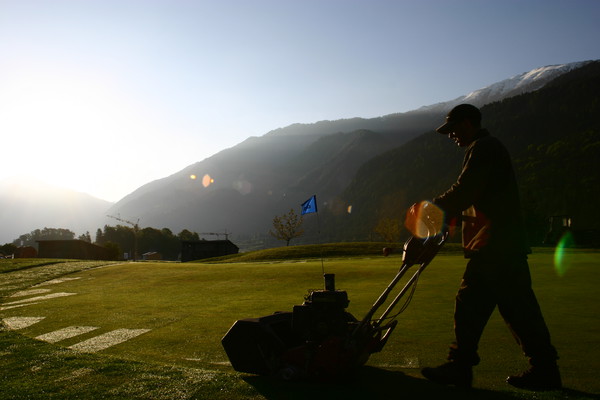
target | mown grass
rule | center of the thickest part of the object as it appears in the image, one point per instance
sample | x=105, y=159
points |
x=189, y=307
x=327, y=250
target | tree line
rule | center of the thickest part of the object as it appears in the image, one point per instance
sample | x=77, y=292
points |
x=120, y=240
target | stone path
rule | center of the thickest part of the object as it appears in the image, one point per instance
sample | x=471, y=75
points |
x=91, y=345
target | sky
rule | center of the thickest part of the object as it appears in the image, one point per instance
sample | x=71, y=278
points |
x=104, y=96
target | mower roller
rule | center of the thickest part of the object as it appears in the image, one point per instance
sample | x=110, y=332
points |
x=320, y=340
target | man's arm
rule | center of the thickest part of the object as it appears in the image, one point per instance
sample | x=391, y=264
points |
x=471, y=182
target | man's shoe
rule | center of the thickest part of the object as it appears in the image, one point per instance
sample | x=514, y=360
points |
x=537, y=378
x=450, y=373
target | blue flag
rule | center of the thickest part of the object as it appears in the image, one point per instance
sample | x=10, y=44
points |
x=309, y=206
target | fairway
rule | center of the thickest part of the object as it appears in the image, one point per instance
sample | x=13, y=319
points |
x=180, y=311
x=176, y=314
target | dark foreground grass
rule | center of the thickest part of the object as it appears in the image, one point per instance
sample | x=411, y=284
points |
x=190, y=306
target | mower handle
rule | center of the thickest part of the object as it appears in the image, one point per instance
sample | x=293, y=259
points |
x=416, y=251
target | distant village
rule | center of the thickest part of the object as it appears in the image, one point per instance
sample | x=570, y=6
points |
x=82, y=248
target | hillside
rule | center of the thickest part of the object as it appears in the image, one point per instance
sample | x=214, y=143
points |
x=265, y=176
x=553, y=135
x=338, y=160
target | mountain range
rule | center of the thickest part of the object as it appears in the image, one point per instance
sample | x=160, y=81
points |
x=360, y=169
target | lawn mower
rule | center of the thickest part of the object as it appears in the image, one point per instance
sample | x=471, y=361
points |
x=319, y=339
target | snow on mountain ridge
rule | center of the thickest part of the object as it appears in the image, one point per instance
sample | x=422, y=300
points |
x=515, y=85
x=527, y=81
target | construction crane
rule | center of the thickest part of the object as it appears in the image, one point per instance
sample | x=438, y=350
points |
x=226, y=234
x=136, y=229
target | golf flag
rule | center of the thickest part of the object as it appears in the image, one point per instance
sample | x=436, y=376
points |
x=309, y=206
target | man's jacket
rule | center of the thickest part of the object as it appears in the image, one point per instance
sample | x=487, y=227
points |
x=487, y=196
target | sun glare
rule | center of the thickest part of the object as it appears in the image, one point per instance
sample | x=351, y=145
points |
x=69, y=125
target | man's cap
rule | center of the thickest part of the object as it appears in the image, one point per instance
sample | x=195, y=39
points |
x=458, y=114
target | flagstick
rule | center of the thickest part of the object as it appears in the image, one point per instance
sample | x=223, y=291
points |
x=310, y=206
x=321, y=244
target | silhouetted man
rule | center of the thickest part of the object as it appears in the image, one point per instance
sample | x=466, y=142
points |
x=485, y=197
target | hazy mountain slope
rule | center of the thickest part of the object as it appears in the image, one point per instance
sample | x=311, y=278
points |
x=255, y=180
x=252, y=170
x=553, y=135
x=340, y=157
x=26, y=205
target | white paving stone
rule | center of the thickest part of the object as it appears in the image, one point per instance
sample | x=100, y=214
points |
x=107, y=340
x=17, y=306
x=30, y=292
x=65, y=333
x=57, y=281
x=40, y=298
x=16, y=323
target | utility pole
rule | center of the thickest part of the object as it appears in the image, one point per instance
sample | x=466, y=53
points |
x=136, y=229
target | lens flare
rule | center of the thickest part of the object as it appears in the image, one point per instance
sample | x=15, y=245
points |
x=193, y=177
x=242, y=186
x=349, y=209
x=562, y=260
x=424, y=219
x=207, y=180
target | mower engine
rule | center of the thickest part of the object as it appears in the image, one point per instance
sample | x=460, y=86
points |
x=322, y=314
